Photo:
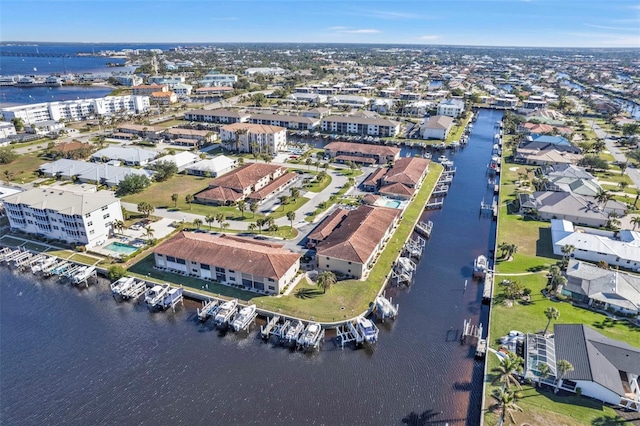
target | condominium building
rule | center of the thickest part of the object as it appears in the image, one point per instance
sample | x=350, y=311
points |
x=214, y=79
x=77, y=110
x=221, y=115
x=360, y=125
x=288, y=121
x=269, y=139
x=148, y=89
x=76, y=217
x=451, y=107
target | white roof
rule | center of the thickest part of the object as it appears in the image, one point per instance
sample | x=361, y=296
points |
x=629, y=250
x=66, y=202
x=125, y=154
x=6, y=191
x=180, y=159
x=99, y=172
x=216, y=164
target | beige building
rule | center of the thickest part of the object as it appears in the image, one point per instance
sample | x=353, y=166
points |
x=354, y=239
x=230, y=260
x=268, y=139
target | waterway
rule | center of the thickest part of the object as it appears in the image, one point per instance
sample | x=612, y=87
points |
x=74, y=356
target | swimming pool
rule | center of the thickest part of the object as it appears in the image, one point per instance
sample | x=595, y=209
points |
x=121, y=248
x=394, y=204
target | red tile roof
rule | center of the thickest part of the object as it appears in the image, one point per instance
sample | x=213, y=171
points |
x=407, y=170
x=245, y=176
x=267, y=190
x=361, y=148
x=328, y=224
x=235, y=253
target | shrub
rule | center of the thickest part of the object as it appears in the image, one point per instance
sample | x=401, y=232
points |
x=115, y=272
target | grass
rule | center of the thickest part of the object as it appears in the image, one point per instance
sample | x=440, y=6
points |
x=456, y=131
x=170, y=123
x=352, y=297
x=76, y=257
x=23, y=169
x=315, y=186
x=30, y=143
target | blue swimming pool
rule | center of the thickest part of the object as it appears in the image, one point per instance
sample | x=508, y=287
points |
x=121, y=248
x=394, y=204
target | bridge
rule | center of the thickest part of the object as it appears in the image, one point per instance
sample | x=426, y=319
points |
x=37, y=54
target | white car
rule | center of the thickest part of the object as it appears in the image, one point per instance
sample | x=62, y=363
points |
x=135, y=227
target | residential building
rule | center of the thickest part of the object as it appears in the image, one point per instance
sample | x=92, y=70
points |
x=265, y=71
x=182, y=89
x=602, y=288
x=143, y=131
x=77, y=217
x=170, y=81
x=127, y=155
x=215, y=79
x=349, y=100
x=268, y=139
x=222, y=116
x=575, y=208
x=287, y=121
x=189, y=137
x=44, y=127
x=374, y=180
x=352, y=246
x=311, y=98
x=362, y=153
x=149, y=89
x=238, y=184
x=451, y=107
x=532, y=104
x=229, y=260
x=84, y=172
x=163, y=98
x=437, y=127
x=404, y=178
x=368, y=126
x=214, y=91
x=7, y=129
x=621, y=248
x=212, y=167
x=76, y=110
x=319, y=112
x=182, y=160
x=128, y=79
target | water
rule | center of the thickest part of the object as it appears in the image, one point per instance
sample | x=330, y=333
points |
x=31, y=95
x=121, y=248
x=392, y=204
x=73, y=356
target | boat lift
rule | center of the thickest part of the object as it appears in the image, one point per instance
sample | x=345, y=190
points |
x=134, y=290
x=48, y=271
x=21, y=259
x=225, y=313
x=309, y=340
x=72, y=270
x=4, y=251
x=434, y=203
x=347, y=333
x=43, y=263
x=33, y=260
x=60, y=268
x=424, y=229
x=290, y=331
x=11, y=255
x=269, y=329
x=440, y=189
x=83, y=275
x=244, y=318
x=155, y=299
x=385, y=308
x=209, y=309
x=470, y=331
x=414, y=248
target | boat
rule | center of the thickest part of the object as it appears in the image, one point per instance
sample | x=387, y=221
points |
x=7, y=81
x=155, y=294
x=225, y=311
x=367, y=329
x=121, y=285
x=443, y=158
x=293, y=331
x=244, y=317
x=385, y=308
x=426, y=155
x=310, y=335
x=480, y=266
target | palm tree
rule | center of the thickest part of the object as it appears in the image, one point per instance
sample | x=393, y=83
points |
x=291, y=215
x=507, y=403
x=189, y=199
x=507, y=371
x=295, y=192
x=504, y=247
x=563, y=366
x=544, y=370
x=242, y=206
x=174, y=198
x=603, y=197
x=254, y=208
x=252, y=227
x=210, y=219
x=635, y=221
x=220, y=218
x=622, y=185
x=308, y=162
x=148, y=232
x=118, y=225
x=567, y=249
x=552, y=314
x=224, y=225
x=197, y=222
x=238, y=133
x=284, y=200
x=260, y=222
x=326, y=279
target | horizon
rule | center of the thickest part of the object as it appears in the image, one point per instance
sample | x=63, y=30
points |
x=490, y=23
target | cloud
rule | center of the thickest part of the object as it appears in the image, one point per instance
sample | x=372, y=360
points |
x=604, y=27
x=349, y=30
x=429, y=37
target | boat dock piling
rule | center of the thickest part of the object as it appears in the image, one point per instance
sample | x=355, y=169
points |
x=385, y=308
x=21, y=258
x=434, y=203
x=271, y=328
x=471, y=331
x=11, y=255
x=424, y=229
x=414, y=248
x=347, y=333
x=209, y=309
x=134, y=291
x=440, y=189
x=488, y=288
x=4, y=251
x=489, y=209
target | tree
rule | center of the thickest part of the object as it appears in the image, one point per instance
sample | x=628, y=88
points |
x=635, y=221
x=145, y=208
x=544, y=370
x=603, y=197
x=7, y=155
x=254, y=208
x=174, y=198
x=197, y=222
x=507, y=404
x=189, y=199
x=628, y=129
x=115, y=272
x=164, y=170
x=284, y=200
x=132, y=184
x=238, y=133
x=7, y=176
x=623, y=184
x=295, y=192
x=308, y=162
x=242, y=206
x=148, y=232
x=118, y=225
x=326, y=279
x=209, y=219
x=260, y=222
x=513, y=290
x=18, y=124
x=220, y=218
x=224, y=225
x=504, y=248
x=563, y=367
x=634, y=154
x=567, y=249
x=508, y=370
x=591, y=162
x=273, y=228
x=291, y=215
x=552, y=314
x=511, y=250
x=252, y=227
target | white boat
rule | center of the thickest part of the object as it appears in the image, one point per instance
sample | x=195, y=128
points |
x=480, y=266
x=310, y=335
x=385, y=308
x=225, y=311
x=155, y=294
x=293, y=331
x=368, y=329
x=242, y=319
x=118, y=287
x=443, y=158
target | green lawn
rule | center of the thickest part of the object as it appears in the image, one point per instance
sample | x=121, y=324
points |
x=318, y=186
x=352, y=297
x=24, y=168
x=456, y=131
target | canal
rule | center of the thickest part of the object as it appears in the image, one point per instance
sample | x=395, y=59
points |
x=74, y=356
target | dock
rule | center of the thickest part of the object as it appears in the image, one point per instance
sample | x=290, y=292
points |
x=347, y=333
x=414, y=248
x=225, y=313
x=471, y=331
x=163, y=297
x=434, y=203
x=311, y=338
x=385, y=309
x=424, y=228
x=487, y=291
x=244, y=318
x=83, y=275
x=208, y=310
x=440, y=190
x=134, y=291
x=270, y=327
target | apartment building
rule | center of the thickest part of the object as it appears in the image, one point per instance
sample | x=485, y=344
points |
x=221, y=116
x=451, y=107
x=269, y=139
x=287, y=121
x=360, y=125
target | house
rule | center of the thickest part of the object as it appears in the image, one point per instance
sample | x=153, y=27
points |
x=602, y=288
x=164, y=98
x=621, y=248
x=603, y=369
x=245, y=137
x=359, y=125
x=128, y=155
x=403, y=179
x=84, y=172
x=213, y=167
x=149, y=89
x=437, y=127
x=294, y=122
x=221, y=115
x=182, y=160
x=547, y=150
x=543, y=129
x=451, y=107
x=534, y=104
x=352, y=246
x=44, y=127
x=240, y=183
x=310, y=98
x=78, y=217
x=575, y=208
x=229, y=260
x=362, y=153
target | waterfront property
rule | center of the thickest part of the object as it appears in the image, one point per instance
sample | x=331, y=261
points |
x=76, y=110
x=451, y=107
x=621, y=248
x=241, y=183
x=78, y=217
x=604, y=369
x=575, y=208
x=603, y=288
x=287, y=121
x=148, y=89
x=404, y=178
x=437, y=127
x=362, y=153
x=242, y=262
x=359, y=125
x=265, y=138
x=221, y=116
x=354, y=239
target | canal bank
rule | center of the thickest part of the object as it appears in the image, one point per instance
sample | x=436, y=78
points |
x=77, y=357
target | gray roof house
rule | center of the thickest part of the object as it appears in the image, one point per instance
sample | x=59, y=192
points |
x=129, y=156
x=576, y=208
x=84, y=172
x=603, y=288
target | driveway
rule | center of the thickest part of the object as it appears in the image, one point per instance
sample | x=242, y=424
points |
x=633, y=173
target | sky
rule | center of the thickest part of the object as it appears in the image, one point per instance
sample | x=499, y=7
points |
x=545, y=23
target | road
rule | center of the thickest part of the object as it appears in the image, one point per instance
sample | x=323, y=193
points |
x=633, y=173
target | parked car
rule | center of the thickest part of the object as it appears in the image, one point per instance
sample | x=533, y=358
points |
x=135, y=227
